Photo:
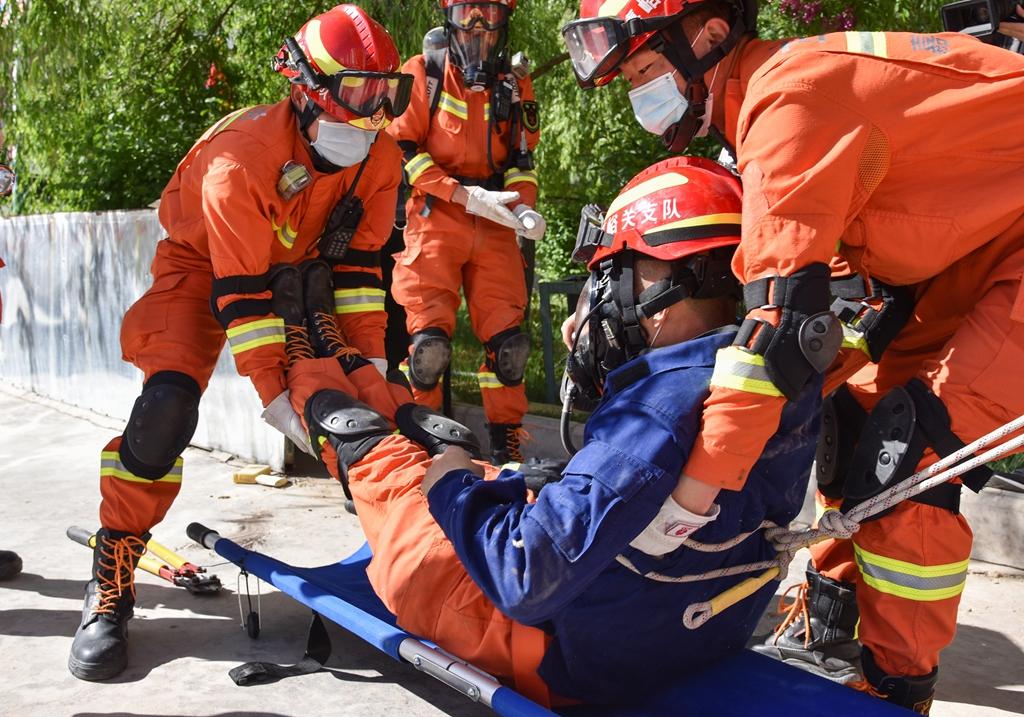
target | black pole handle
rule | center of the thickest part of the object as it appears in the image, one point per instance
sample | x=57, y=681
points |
x=202, y=535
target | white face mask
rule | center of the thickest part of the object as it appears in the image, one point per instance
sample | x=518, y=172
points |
x=341, y=144
x=658, y=104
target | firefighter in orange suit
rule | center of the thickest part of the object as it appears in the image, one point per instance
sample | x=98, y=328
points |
x=898, y=153
x=263, y=192
x=468, y=139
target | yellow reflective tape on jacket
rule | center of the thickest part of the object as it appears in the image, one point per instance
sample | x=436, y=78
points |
x=418, y=165
x=487, y=379
x=223, y=123
x=854, y=339
x=355, y=301
x=519, y=175
x=453, y=106
x=253, y=334
x=867, y=43
x=924, y=583
x=111, y=467
x=737, y=368
x=285, y=234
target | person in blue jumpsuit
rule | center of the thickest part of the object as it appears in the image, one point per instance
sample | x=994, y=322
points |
x=553, y=585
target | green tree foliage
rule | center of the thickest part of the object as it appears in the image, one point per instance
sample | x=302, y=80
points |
x=103, y=97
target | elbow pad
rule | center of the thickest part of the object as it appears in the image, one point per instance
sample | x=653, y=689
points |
x=808, y=336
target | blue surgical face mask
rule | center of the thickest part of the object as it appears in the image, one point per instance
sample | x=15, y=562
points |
x=341, y=144
x=658, y=104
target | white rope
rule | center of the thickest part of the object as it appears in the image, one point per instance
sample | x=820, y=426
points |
x=836, y=524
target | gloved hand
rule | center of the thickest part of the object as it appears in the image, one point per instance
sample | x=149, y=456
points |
x=533, y=223
x=671, y=527
x=491, y=205
x=280, y=415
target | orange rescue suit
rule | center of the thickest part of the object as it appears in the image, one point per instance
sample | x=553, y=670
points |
x=227, y=225
x=900, y=152
x=445, y=247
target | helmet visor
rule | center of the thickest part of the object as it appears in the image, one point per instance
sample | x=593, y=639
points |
x=366, y=93
x=597, y=46
x=6, y=180
x=488, y=15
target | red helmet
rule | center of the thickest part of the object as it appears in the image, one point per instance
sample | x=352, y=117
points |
x=346, y=63
x=609, y=31
x=673, y=209
x=684, y=211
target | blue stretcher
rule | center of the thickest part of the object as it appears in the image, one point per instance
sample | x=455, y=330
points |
x=747, y=684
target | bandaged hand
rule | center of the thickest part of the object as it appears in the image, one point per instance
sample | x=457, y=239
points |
x=453, y=459
x=491, y=205
x=280, y=415
x=671, y=527
x=533, y=223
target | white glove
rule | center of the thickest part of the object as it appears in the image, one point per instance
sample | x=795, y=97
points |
x=671, y=527
x=381, y=365
x=491, y=205
x=280, y=415
x=533, y=223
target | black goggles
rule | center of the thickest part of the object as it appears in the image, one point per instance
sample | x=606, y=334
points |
x=598, y=45
x=488, y=15
x=366, y=93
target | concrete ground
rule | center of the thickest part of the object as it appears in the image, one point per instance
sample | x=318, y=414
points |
x=183, y=646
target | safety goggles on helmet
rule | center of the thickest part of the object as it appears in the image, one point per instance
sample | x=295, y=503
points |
x=366, y=93
x=598, y=45
x=488, y=15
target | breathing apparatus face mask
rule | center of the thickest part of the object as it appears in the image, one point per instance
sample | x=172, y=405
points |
x=341, y=144
x=477, y=52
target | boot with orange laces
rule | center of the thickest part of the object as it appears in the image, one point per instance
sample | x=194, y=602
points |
x=817, y=634
x=913, y=692
x=100, y=648
x=507, y=442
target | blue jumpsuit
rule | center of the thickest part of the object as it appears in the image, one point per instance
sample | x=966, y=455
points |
x=551, y=564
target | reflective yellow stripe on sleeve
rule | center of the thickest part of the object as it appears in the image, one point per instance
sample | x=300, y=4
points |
x=737, y=368
x=356, y=301
x=417, y=166
x=854, y=339
x=487, y=379
x=453, y=106
x=285, y=234
x=924, y=583
x=112, y=467
x=520, y=175
x=253, y=334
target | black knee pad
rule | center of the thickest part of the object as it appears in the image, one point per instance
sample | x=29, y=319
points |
x=286, y=288
x=162, y=422
x=842, y=420
x=507, y=353
x=428, y=358
x=434, y=431
x=349, y=425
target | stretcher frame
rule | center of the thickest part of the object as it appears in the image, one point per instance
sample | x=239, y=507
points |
x=743, y=685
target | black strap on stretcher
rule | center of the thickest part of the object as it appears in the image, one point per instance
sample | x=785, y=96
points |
x=318, y=651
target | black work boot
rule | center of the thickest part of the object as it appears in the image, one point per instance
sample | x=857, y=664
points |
x=287, y=302
x=506, y=443
x=913, y=692
x=318, y=296
x=817, y=634
x=10, y=565
x=100, y=649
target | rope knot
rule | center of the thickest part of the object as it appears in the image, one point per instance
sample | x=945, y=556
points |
x=837, y=524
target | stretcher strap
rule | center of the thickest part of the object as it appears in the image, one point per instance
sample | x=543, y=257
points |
x=318, y=651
